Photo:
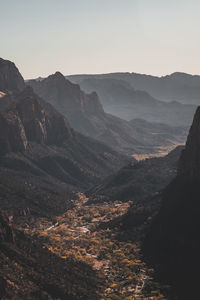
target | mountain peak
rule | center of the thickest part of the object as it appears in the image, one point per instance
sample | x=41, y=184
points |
x=57, y=75
x=56, y=78
x=66, y=96
x=10, y=78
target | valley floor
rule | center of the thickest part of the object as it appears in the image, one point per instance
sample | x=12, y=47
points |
x=82, y=234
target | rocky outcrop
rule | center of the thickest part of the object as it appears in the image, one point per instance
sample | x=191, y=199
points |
x=11, y=83
x=27, y=120
x=66, y=96
x=93, y=104
x=12, y=133
x=10, y=78
x=41, y=122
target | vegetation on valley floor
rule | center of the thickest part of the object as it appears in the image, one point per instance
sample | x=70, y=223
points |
x=77, y=235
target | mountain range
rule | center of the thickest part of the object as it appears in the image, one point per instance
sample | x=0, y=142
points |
x=123, y=96
x=86, y=115
x=178, y=86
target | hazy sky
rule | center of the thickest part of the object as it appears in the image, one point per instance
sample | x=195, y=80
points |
x=101, y=36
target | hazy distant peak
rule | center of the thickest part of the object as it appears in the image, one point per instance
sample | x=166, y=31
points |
x=56, y=75
x=182, y=74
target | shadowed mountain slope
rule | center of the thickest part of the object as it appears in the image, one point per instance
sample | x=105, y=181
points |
x=138, y=181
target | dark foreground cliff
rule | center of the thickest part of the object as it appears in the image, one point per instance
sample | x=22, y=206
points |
x=173, y=242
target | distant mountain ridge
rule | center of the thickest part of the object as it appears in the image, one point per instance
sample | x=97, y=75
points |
x=121, y=97
x=177, y=86
x=86, y=115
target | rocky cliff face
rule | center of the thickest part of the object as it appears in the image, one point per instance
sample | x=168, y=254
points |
x=27, y=120
x=66, y=96
x=10, y=78
x=41, y=122
x=12, y=133
x=11, y=83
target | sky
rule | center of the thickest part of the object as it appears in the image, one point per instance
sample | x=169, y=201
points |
x=155, y=37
